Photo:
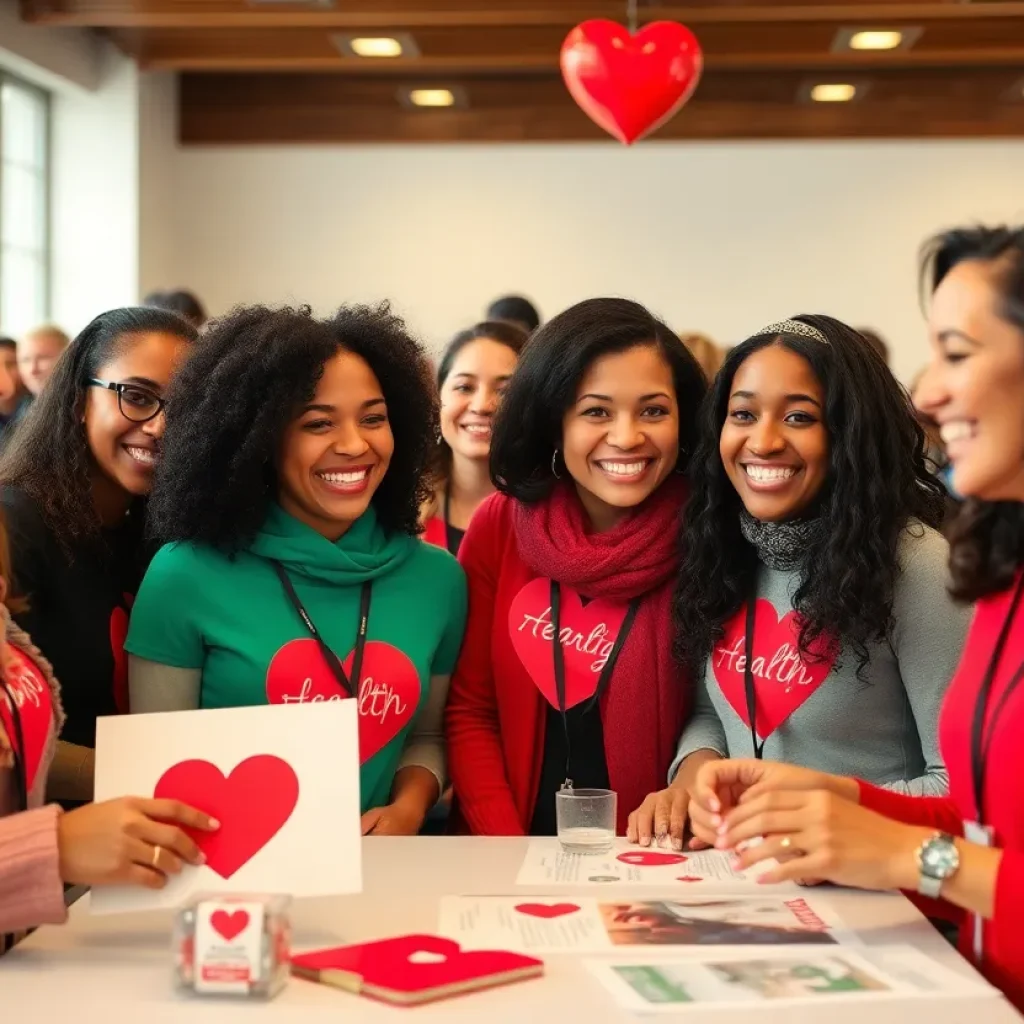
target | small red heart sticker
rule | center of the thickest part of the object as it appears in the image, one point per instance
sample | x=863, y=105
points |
x=547, y=911
x=229, y=926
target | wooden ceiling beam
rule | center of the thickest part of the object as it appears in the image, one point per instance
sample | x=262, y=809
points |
x=411, y=14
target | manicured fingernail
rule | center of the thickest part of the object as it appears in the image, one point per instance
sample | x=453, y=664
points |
x=212, y=824
x=714, y=804
x=722, y=828
x=764, y=879
x=677, y=844
x=721, y=844
x=645, y=840
x=200, y=857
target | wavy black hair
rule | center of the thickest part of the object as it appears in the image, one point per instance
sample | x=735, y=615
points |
x=48, y=456
x=986, y=538
x=230, y=404
x=528, y=427
x=877, y=481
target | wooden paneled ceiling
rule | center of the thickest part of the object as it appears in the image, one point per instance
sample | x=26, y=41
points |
x=275, y=71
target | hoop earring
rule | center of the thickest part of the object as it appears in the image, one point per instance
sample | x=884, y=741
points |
x=554, y=465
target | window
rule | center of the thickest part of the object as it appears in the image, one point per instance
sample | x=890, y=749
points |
x=24, y=206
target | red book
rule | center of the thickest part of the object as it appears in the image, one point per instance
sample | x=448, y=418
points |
x=413, y=969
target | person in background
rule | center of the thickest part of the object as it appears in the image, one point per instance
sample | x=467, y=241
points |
x=12, y=408
x=705, y=351
x=589, y=453
x=812, y=595
x=967, y=848
x=74, y=478
x=471, y=378
x=515, y=309
x=876, y=341
x=38, y=353
x=184, y=303
x=295, y=465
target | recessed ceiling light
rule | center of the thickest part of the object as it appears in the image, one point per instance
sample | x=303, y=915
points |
x=833, y=92
x=876, y=40
x=432, y=97
x=376, y=46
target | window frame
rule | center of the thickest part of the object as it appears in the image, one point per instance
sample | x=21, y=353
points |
x=43, y=95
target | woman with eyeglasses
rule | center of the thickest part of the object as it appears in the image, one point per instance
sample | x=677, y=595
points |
x=72, y=485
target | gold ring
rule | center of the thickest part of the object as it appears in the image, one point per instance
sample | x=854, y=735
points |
x=156, y=856
x=786, y=843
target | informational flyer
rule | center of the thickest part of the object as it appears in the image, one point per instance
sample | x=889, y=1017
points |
x=553, y=925
x=546, y=864
x=797, y=977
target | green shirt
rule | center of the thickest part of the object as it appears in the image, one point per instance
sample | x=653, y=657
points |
x=230, y=618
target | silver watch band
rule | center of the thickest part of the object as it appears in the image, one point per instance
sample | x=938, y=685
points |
x=928, y=886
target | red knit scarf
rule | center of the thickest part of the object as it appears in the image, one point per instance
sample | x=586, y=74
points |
x=644, y=707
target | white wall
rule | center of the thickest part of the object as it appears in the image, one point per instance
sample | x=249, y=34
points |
x=51, y=57
x=717, y=237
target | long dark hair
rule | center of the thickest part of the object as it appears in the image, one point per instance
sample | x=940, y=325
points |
x=986, y=537
x=528, y=427
x=48, y=456
x=230, y=404
x=877, y=481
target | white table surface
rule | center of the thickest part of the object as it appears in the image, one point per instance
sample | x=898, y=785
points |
x=111, y=969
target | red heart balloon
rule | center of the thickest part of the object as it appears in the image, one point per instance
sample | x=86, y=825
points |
x=631, y=84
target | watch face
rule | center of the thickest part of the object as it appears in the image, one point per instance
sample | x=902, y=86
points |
x=939, y=858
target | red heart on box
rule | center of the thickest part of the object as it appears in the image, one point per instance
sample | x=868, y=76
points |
x=251, y=804
x=547, y=910
x=389, y=691
x=651, y=858
x=229, y=926
x=782, y=679
x=631, y=84
x=588, y=635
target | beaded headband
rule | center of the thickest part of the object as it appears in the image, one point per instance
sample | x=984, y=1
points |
x=794, y=327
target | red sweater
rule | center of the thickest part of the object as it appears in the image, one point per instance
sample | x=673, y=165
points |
x=1003, y=960
x=496, y=716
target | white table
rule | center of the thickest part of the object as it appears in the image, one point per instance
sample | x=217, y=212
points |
x=103, y=970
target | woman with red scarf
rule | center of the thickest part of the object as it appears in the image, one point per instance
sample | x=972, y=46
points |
x=580, y=544
x=967, y=848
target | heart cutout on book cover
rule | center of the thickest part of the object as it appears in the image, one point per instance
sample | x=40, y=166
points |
x=252, y=804
x=547, y=911
x=229, y=926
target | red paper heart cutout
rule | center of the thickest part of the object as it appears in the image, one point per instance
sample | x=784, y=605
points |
x=251, y=804
x=31, y=694
x=229, y=926
x=389, y=691
x=547, y=910
x=415, y=964
x=689, y=878
x=651, y=858
x=118, y=636
x=588, y=635
x=631, y=84
x=782, y=679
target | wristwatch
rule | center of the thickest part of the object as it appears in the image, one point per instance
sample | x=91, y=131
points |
x=938, y=859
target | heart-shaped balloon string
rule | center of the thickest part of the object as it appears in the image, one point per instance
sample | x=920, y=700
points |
x=630, y=84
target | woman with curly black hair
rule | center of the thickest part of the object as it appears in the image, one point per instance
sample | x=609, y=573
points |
x=75, y=477
x=812, y=591
x=567, y=670
x=840, y=828
x=288, y=499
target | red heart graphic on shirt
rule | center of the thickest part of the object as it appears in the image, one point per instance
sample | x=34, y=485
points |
x=252, y=804
x=651, y=858
x=782, y=679
x=547, y=911
x=229, y=926
x=118, y=636
x=588, y=636
x=31, y=694
x=388, y=694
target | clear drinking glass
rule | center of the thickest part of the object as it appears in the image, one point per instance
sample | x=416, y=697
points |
x=585, y=820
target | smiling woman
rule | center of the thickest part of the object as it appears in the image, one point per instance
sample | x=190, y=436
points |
x=812, y=595
x=75, y=476
x=295, y=464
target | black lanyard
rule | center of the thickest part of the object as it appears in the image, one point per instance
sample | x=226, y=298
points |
x=329, y=656
x=980, y=743
x=18, y=750
x=559, y=659
x=748, y=680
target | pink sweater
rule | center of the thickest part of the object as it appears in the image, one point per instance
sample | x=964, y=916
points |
x=31, y=891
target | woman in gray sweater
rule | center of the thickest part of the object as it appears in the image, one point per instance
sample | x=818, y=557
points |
x=812, y=601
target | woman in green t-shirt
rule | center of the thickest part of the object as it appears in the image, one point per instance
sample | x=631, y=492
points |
x=288, y=498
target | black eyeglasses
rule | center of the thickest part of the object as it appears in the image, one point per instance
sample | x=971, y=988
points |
x=136, y=403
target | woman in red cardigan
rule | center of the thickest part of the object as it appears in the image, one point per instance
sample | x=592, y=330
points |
x=968, y=848
x=580, y=542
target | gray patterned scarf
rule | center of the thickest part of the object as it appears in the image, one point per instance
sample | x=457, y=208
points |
x=782, y=545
